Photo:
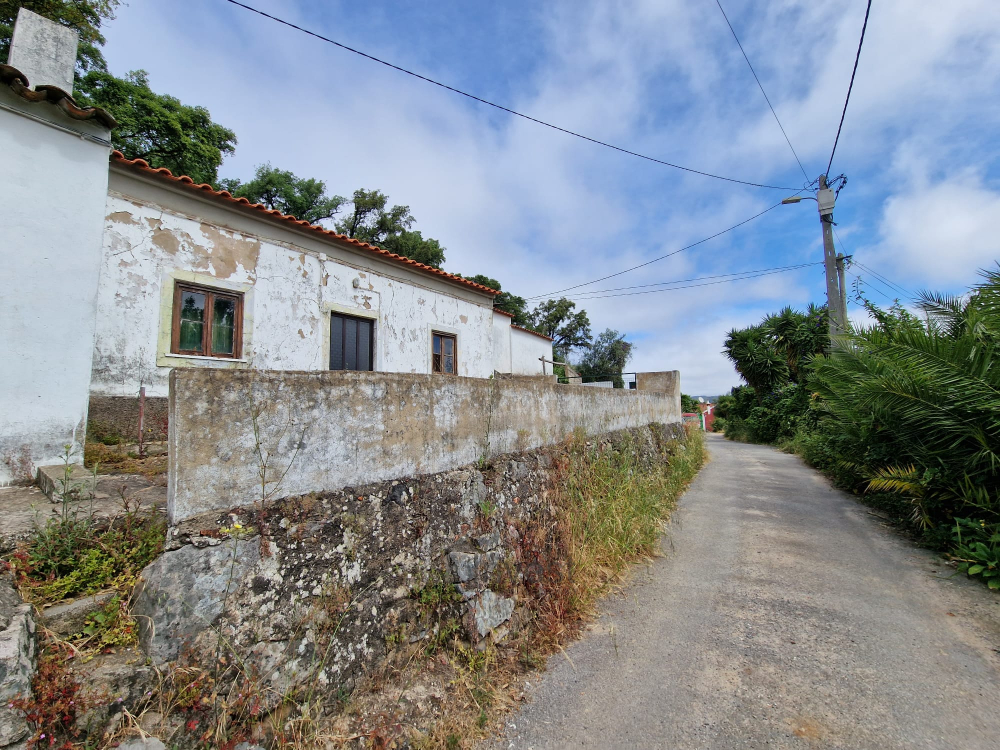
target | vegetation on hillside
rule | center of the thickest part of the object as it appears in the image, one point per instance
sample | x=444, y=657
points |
x=905, y=411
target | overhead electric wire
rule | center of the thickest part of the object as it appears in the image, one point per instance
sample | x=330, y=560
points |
x=500, y=106
x=696, y=278
x=850, y=86
x=662, y=257
x=707, y=283
x=761, y=87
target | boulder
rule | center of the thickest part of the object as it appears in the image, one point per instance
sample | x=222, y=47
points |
x=185, y=590
x=17, y=662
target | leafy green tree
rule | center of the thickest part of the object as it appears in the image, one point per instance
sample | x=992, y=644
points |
x=159, y=128
x=412, y=244
x=84, y=16
x=558, y=319
x=510, y=303
x=606, y=358
x=281, y=190
x=371, y=221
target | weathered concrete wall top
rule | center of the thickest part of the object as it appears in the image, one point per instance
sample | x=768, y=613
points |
x=318, y=431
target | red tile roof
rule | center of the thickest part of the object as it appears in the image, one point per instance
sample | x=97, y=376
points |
x=18, y=83
x=528, y=330
x=141, y=167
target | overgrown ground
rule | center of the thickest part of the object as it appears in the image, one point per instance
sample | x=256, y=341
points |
x=440, y=692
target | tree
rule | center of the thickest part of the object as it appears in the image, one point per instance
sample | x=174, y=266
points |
x=556, y=319
x=371, y=221
x=84, y=16
x=510, y=303
x=607, y=357
x=159, y=128
x=281, y=190
x=412, y=244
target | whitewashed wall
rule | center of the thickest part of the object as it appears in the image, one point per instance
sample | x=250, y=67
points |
x=501, y=342
x=525, y=350
x=291, y=283
x=54, y=185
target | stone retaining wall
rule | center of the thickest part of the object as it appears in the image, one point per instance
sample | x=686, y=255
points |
x=340, y=578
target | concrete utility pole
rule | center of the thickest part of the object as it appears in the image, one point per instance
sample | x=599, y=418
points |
x=837, y=316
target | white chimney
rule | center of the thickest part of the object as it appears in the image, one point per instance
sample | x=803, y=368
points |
x=43, y=50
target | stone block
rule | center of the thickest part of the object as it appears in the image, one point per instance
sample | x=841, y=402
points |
x=184, y=591
x=17, y=662
x=68, y=618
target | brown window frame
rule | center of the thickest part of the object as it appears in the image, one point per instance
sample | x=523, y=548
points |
x=454, y=338
x=206, y=335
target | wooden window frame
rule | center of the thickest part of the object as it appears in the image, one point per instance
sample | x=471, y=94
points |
x=371, y=340
x=206, y=336
x=445, y=335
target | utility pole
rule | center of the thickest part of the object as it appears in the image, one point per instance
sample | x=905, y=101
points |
x=837, y=312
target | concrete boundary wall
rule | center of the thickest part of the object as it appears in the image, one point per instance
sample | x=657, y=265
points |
x=319, y=431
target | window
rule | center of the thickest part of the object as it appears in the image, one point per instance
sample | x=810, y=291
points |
x=444, y=350
x=207, y=322
x=351, y=343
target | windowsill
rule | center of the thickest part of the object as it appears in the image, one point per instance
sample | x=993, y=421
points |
x=200, y=358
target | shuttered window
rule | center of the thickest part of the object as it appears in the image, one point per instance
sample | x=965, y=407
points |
x=351, y=343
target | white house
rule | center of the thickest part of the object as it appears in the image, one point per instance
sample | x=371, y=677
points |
x=114, y=273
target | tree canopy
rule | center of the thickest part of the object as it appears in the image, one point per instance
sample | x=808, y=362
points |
x=157, y=127
x=84, y=16
x=279, y=189
x=606, y=358
x=509, y=303
x=559, y=320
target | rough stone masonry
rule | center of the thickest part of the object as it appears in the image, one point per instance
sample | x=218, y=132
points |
x=314, y=589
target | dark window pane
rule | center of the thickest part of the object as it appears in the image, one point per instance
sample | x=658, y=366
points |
x=336, y=342
x=223, y=325
x=192, y=321
x=365, y=345
x=350, y=344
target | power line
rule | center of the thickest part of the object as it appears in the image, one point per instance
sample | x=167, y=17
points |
x=697, y=278
x=888, y=282
x=761, y=87
x=662, y=257
x=850, y=86
x=692, y=286
x=499, y=106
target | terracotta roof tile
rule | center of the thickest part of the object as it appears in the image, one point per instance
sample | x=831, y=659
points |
x=18, y=83
x=534, y=333
x=142, y=167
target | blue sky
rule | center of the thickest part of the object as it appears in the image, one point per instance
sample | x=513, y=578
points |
x=541, y=211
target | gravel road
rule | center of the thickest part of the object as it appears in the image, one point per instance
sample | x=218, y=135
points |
x=783, y=615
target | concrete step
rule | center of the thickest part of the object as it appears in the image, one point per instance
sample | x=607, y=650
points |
x=58, y=484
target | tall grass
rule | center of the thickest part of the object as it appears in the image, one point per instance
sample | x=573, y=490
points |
x=615, y=506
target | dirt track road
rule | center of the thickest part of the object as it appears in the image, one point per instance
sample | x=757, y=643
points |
x=783, y=615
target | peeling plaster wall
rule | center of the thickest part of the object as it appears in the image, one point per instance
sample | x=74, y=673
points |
x=328, y=430
x=54, y=184
x=289, y=292
x=525, y=350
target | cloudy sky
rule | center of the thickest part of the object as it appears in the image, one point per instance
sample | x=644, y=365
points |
x=542, y=211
